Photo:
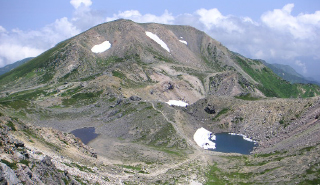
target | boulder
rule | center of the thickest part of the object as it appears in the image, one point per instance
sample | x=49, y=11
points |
x=47, y=161
x=210, y=109
x=135, y=98
x=19, y=144
x=7, y=175
x=168, y=86
x=119, y=101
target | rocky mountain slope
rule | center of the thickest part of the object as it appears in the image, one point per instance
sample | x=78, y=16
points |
x=117, y=78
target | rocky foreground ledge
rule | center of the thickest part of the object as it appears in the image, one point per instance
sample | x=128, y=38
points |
x=29, y=155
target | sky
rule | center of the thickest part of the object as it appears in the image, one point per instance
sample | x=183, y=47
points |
x=277, y=31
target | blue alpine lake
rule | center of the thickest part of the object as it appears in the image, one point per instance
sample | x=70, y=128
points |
x=229, y=143
x=86, y=134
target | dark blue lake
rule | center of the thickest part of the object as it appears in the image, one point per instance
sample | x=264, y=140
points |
x=228, y=143
x=86, y=134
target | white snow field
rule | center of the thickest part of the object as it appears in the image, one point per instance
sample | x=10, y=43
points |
x=101, y=47
x=177, y=103
x=202, y=138
x=184, y=42
x=243, y=136
x=157, y=40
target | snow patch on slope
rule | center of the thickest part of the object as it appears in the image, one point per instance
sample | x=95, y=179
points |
x=177, y=103
x=202, y=138
x=184, y=42
x=157, y=40
x=101, y=47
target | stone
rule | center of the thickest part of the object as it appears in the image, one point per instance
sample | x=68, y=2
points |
x=7, y=175
x=119, y=101
x=47, y=161
x=210, y=109
x=19, y=144
x=135, y=98
x=168, y=86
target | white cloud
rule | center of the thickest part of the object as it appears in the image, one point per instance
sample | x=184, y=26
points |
x=302, y=26
x=165, y=18
x=2, y=29
x=17, y=44
x=83, y=16
x=60, y=30
x=77, y=3
x=210, y=17
x=15, y=52
x=279, y=36
x=302, y=65
x=249, y=20
x=214, y=19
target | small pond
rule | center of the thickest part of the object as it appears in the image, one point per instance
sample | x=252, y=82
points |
x=232, y=143
x=86, y=134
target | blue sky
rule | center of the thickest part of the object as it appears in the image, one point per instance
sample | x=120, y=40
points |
x=278, y=31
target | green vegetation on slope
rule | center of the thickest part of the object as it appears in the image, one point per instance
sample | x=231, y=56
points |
x=9, y=67
x=82, y=98
x=22, y=99
x=41, y=65
x=288, y=73
x=273, y=86
x=247, y=97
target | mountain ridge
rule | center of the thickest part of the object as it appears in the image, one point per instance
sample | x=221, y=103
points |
x=123, y=90
x=73, y=58
x=9, y=67
x=288, y=73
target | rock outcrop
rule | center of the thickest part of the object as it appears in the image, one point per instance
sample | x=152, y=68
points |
x=210, y=109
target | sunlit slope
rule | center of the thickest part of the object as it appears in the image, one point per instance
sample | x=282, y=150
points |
x=272, y=85
x=148, y=56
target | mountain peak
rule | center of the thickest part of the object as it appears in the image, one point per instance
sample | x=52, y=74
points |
x=150, y=55
x=141, y=92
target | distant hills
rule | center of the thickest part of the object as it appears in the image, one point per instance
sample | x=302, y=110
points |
x=9, y=67
x=288, y=73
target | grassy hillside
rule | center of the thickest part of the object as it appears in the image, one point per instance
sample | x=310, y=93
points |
x=288, y=73
x=272, y=85
x=9, y=67
x=41, y=67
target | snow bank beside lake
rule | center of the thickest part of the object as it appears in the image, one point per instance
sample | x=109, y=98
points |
x=243, y=136
x=202, y=138
x=158, y=40
x=101, y=47
x=177, y=103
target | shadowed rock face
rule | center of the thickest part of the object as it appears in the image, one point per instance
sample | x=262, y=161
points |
x=210, y=109
x=135, y=98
